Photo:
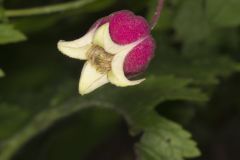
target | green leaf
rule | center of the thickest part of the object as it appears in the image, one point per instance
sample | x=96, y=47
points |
x=196, y=61
x=216, y=67
x=224, y=13
x=1, y=73
x=10, y=35
x=165, y=140
x=60, y=103
x=2, y=16
x=190, y=23
x=162, y=139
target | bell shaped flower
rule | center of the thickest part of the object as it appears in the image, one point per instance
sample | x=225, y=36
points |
x=115, y=48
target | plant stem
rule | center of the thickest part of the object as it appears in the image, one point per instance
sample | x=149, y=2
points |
x=47, y=9
x=157, y=14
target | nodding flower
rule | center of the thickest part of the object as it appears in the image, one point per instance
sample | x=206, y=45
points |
x=115, y=48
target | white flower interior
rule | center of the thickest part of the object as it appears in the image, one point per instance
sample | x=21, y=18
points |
x=105, y=59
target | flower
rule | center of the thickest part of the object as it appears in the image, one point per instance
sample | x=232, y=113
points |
x=115, y=48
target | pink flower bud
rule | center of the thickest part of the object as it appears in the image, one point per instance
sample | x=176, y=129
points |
x=125, y=27
x=115, y=48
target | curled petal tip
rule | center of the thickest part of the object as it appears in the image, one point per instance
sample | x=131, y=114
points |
x=74, y=52
x=77, y=48
x=91, y=79
x=116, y=75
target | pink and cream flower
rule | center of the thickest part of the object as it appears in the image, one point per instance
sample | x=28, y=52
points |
x=115, y=48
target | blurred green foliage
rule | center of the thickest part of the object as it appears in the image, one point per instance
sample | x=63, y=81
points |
x=197, y=46
x=8, y=34
x=1, y=73
x=222, y=13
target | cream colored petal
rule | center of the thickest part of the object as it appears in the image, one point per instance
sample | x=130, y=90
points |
x=103, y=39
x=77, y=48
x=109, y=45
x=91, y=79
x=116, y=76
x=77, y=53
x=99, y=36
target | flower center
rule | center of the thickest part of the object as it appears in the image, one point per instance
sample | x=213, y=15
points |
x=100, y=59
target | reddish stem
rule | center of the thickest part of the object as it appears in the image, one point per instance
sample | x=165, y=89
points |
x=157, y=14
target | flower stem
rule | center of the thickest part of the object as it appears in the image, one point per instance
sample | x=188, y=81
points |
x=47, y=9
x=157, y=14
